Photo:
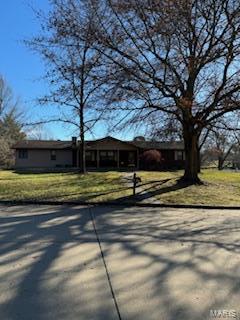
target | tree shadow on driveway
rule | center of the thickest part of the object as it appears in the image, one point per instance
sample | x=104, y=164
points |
x=51, y=266
x=171, y=264
x=163, y=263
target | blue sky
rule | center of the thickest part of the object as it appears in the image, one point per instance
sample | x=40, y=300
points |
x=22, y=69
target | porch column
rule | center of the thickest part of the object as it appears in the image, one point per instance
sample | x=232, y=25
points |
x=137, y=159
x=97, y=158
x=77, y=157
x=118, y=159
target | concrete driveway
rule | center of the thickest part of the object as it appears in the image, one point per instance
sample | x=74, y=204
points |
x=61, y=262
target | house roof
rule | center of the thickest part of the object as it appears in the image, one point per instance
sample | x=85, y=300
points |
x=42, y=144
x=108, y=138
x=58, y=144
x=143, y=144
x=171, y=145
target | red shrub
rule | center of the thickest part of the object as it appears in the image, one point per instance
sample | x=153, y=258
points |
x=151, y=159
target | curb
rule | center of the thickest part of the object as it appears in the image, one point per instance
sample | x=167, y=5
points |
x=115, y=204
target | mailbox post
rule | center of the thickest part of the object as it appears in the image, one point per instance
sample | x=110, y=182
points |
x=135, y=181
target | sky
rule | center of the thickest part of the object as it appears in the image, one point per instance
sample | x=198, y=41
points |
x=22, y=69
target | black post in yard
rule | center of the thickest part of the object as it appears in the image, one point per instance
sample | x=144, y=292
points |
x=134, y=183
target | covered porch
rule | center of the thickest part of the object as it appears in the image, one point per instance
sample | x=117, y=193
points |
x=107, y=159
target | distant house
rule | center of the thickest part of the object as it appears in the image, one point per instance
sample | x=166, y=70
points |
x=106, y=153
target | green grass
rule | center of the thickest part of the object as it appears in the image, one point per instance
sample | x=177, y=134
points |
x=220, y=187
x=61, y=186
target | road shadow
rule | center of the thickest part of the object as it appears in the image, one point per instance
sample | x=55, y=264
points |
x=172, y=264
x=163, y=263
x=51, y=265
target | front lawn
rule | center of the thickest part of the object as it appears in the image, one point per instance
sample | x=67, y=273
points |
x=95, y=186
x=220, y=187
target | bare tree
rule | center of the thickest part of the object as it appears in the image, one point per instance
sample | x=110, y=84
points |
x=7, y=100
x=222, y=144
x=178, y=58
x=39, y=132
x=74, y=69
x=164, y=128
x=11, y=123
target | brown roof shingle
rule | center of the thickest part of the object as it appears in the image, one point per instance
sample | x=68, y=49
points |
x=42, y=144
x=58, y=144
x=171, y=145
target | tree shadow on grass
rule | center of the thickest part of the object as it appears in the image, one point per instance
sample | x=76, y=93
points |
x=46, y=171
x=142, y=194
x=153, y=189
x=83, y=196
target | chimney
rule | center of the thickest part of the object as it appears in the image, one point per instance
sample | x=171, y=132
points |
x=74, y=141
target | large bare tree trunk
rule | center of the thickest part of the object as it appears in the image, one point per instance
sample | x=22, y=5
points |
x=220, y=163
x=199, y=161
x=192, y=157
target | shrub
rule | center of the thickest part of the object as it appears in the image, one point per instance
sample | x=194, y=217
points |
x=151, y=159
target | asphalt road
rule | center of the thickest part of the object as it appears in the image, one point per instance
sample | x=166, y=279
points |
x=60, y=262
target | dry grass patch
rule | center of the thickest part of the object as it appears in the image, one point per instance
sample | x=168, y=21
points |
x=220, y=188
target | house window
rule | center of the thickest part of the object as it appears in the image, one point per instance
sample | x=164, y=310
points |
x=108, y=155
x=131, y=157
x=90, y=155
x=53, y=155
x=22, y=154
x=178, y=155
